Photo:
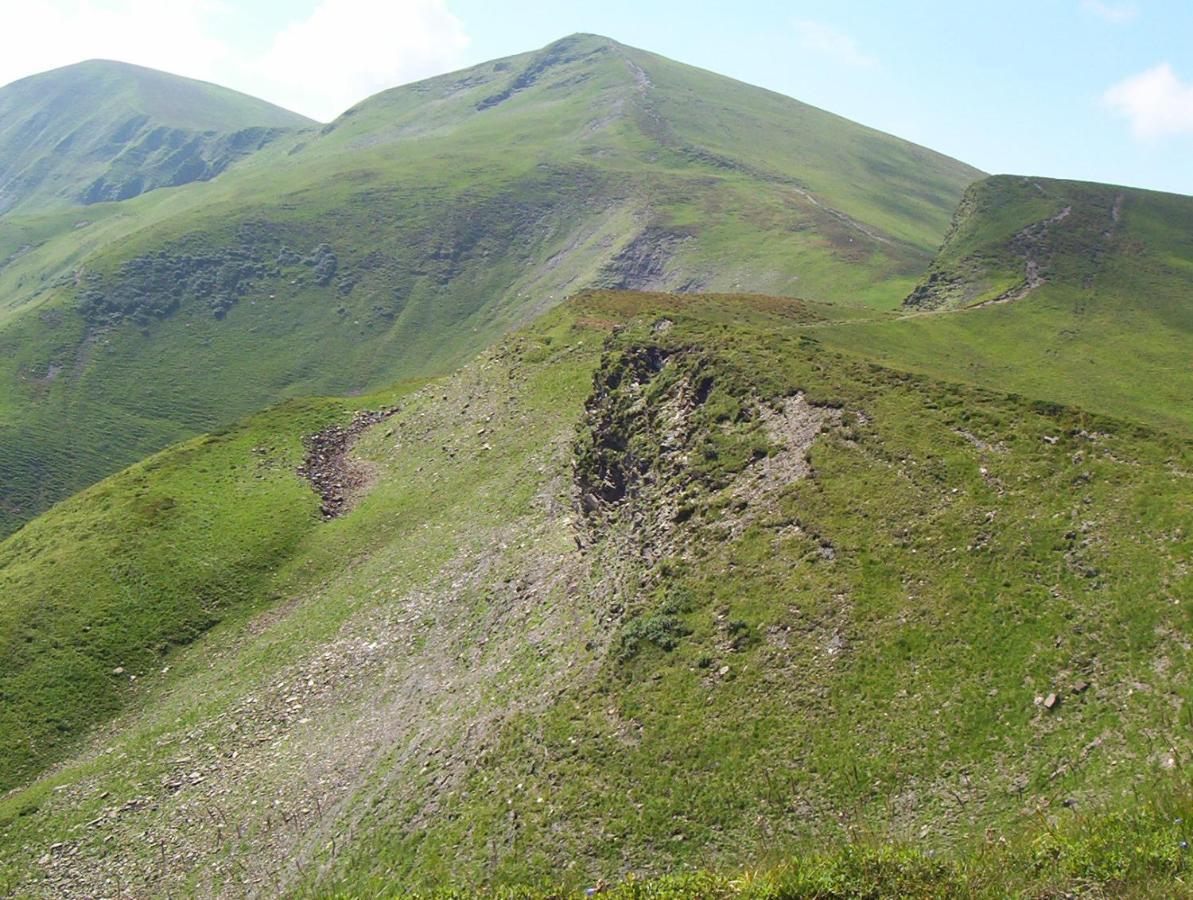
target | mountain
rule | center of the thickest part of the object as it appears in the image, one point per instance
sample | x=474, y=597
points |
x=103, y=130
x=656, y=583
x=1066, y=291
x=423, y=507
x=419, y=226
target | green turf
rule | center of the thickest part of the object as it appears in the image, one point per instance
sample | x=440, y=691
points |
x=1141, y=851
x=96, y=592
x=696, y=595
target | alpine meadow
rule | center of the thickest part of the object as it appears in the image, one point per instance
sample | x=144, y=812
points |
x=581, y=473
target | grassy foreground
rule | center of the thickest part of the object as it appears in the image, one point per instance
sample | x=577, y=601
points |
x=657, y=585
x=1139, y=852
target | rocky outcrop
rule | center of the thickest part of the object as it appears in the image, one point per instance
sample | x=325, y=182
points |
x=169, y=157
x=559, y=53
x=643, y=263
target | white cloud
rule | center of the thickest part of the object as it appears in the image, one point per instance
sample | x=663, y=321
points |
x=829, y=41
x=176, y=35
x=348, y=49
x=1156, y=103
x=1115, y=13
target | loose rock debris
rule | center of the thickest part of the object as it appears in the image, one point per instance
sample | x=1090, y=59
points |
x=335, y=478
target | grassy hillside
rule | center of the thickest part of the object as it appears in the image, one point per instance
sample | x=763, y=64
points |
x=102, y=130
x=1066, y=291
x=659, y=582
x=420, y=225
x=165, y=550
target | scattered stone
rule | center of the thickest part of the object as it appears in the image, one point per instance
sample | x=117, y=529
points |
x=1051, y=701
x=327, y=467
x=836, y=645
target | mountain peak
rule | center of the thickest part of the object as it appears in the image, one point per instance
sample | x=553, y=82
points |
x=95, y=85
x=586, y=38
x=103, y=62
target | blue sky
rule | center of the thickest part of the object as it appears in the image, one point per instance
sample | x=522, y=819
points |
x=1092, y=89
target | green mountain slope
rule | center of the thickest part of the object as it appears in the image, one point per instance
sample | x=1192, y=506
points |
x=1060, y=290
x=419, y=226
x=657, y=582
x=102, y=130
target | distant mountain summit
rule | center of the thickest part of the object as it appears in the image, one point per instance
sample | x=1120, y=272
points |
x=860, y=190
x=102, y=130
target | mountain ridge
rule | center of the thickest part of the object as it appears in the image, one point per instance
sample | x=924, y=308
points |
x=1074, y=292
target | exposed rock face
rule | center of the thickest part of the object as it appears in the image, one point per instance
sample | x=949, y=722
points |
x=157, y=285
x=169, y=157
x=642, y=265
x=616, y=414
x=560, y=52
x=648, y=428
